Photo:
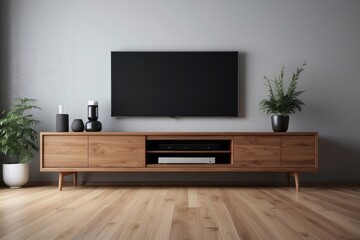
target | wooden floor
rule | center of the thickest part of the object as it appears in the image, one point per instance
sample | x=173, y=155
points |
x=112, y=212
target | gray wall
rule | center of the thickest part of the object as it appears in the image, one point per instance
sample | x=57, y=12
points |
x=59, y=52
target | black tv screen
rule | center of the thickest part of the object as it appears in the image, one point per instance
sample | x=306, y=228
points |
x=174, y=84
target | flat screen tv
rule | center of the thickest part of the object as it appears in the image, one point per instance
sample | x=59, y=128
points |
x=174, y=84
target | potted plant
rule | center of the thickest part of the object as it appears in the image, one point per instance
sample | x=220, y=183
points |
x=18, y=139
x=282, y=103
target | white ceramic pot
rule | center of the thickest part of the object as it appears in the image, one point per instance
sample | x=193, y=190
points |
x=15, y=174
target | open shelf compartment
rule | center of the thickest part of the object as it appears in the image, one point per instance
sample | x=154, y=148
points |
x=220, y=150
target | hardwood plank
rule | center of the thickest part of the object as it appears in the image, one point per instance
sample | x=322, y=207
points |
x=224, y=224
x=205, y=225
x=248, y=224
x=193, y=198
x=184, y=217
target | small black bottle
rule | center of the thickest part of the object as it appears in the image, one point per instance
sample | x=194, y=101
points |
x=62, y=120
x=93, y=125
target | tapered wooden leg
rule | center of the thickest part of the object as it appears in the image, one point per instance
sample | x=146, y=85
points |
x=297, y=180
x=61, y=178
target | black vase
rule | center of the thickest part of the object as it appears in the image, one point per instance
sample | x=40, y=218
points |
x=77, y=125
x=62, y=122
x=93, y=126
x=280, y=123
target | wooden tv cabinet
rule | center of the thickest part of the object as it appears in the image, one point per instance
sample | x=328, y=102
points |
x=70, y=152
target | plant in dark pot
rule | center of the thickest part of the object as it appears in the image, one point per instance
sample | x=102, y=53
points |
x=282, y=103
x=18, y=140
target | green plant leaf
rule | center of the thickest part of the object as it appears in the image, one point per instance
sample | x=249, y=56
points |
x=279, y=102
x=18, y=138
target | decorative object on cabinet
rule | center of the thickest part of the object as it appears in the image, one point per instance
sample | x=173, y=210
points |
x=93, y=125
x=62, y=120
x=282, y=103
x=77, y=125
x=280, y=123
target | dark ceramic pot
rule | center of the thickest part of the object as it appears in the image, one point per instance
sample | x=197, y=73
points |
x=77, y=125
x=280, y=123
x=93, y=126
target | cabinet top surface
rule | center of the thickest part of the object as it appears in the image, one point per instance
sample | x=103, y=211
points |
x=178, y=133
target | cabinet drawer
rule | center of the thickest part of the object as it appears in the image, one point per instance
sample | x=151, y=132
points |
x=116, y=151
x=298, y=151
x=65, y=151
x=257, y=151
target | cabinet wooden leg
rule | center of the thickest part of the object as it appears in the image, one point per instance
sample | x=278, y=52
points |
x=61, y=178
x=297, y=180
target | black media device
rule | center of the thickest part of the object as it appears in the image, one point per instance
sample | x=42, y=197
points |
x=174, y=84
x=189, y=146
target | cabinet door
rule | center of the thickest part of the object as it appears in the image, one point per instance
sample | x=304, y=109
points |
x=298, y=151
x=257, y=151
x=65, y=151
x=116, y=151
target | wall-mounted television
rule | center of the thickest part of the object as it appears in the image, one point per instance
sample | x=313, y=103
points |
x=174, y=84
